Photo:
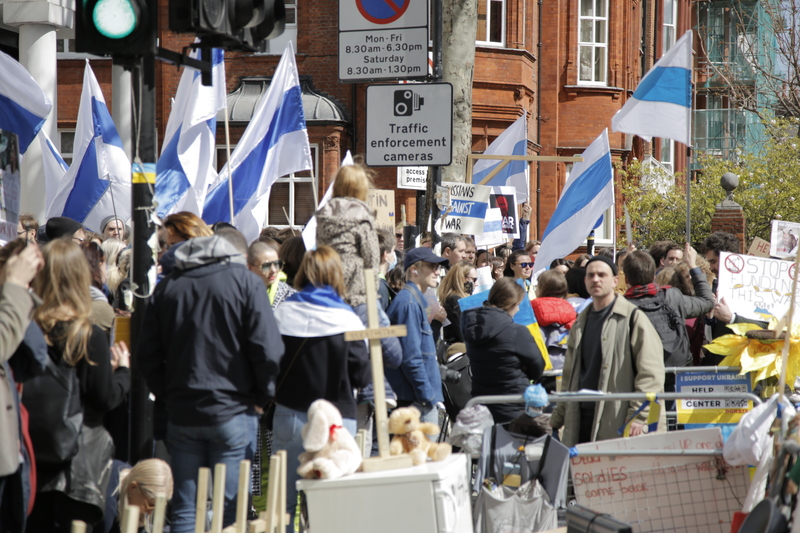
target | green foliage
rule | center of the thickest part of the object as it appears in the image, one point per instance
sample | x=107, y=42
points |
x=769, y=184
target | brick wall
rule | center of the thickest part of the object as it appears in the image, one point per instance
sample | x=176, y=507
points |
x=729, y=217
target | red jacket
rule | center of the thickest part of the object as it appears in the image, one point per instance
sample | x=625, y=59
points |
x=551, y=311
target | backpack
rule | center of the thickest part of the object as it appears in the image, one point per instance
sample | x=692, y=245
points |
x=53, y=401
x=670, y=327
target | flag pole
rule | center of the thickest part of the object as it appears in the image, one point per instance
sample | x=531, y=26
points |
x=228, y=152
x=113, y=206
x=688, y=194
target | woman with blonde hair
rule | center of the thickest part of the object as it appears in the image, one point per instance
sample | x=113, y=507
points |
x=140, y=486
x=317, y=361
x=67, y=490
x=458, y=283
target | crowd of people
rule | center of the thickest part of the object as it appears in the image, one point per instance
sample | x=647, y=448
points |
x=240, y=338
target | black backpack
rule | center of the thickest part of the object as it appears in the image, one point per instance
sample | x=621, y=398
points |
x=670, y=327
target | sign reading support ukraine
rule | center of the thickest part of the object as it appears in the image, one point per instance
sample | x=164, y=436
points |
x=703, y=411
x=469, y=204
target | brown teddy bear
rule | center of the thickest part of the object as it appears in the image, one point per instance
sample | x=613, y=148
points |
x=410, y=437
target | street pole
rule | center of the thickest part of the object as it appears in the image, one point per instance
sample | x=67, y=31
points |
x=436, y=172
x=143, y=264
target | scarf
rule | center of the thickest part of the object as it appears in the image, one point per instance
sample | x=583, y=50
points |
x=642, y=291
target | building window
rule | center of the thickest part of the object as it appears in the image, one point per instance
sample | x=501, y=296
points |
x=278, y=44
x=65, y=49
x=668, y=28
x=67, y=139
x=291, y=198
x=667, y=155
x=593, y=41
x=491, y=22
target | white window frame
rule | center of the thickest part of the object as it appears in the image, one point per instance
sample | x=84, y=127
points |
x=596, y=46
x=669, y=161
x=669, y=30
x=66, y=156
x=276, y=46
x=488, y=24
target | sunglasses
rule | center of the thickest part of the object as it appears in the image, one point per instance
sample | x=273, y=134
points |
x=267, y=265
x=525, y=265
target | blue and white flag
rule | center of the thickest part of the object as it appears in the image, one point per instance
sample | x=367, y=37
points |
x=274, y=144
x=23, y=105
x=316, y=312
x=98, y=183
x=661, y=106
x=310, y=231
x=588, y=193
x=54, y=166
x=186, y=166
x=513, y=141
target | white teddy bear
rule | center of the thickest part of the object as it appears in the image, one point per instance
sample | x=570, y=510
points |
x=331, y=452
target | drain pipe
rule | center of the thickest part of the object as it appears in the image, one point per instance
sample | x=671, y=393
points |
x=539, y=125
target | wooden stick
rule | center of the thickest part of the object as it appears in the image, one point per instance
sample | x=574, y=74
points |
x=78, y=526
x=243, y=497
x=202, y=499
x=218, y=498
x=258, y=526
x=159, y=513
x=376, y=358
x=131, y=523
x=282, y=518
x=787, y=337
x=273, y=498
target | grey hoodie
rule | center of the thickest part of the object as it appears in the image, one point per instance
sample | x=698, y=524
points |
x=202, y=251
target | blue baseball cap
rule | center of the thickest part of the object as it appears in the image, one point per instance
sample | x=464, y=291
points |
x=422, y=254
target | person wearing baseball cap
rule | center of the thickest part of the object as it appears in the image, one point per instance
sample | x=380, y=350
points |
x=417, y=381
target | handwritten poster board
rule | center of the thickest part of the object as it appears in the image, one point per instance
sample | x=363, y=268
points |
x=383, y=203
x=469, y=203
x=696, y=411
x=755, y=287
x=660, y=492
x=9, y=186
x=759, y=247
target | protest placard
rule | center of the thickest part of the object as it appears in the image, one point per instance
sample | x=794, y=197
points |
x=469, y=203
x=784, y=238
x=759, y=248
x=755, y=287
x=9, y=186
x=383, y=204
x=696, y=411
x=505, y=199
x=492, y=230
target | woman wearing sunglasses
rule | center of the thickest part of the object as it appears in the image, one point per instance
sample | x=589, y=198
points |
x=263, y=261
x=519, y=266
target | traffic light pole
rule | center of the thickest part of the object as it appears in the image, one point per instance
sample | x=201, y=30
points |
x=144, y=178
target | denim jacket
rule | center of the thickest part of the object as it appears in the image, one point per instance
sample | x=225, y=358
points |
x=418, y=378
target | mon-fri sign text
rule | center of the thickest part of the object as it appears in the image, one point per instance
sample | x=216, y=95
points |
x=755, y=287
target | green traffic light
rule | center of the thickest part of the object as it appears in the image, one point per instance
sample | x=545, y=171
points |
x=115, y=19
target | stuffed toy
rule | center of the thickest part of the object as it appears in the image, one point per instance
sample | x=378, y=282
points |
x=331, y=452
x=410, y=437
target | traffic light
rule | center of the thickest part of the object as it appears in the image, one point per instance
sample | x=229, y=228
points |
x=230, y=24
x=116, y=27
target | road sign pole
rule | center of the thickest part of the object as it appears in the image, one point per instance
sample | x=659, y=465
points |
x=436, y=172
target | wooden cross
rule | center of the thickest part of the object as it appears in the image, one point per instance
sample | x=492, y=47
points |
x=374, y=333
x=505, y=159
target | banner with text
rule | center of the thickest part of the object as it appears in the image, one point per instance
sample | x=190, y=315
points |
x=702, y=411
x=383, y=204
x=757, y=288
x=469, y=204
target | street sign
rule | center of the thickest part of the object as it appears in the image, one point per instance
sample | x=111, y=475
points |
x=412, y=178
x=383, y=40
x=409, y=125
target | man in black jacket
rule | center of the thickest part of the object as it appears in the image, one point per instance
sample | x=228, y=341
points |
x=210, y=348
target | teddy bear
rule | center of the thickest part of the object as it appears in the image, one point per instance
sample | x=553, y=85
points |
x=331, y=452
x=410, y=437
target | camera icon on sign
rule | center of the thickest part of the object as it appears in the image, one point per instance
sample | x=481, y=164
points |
x=406, y=102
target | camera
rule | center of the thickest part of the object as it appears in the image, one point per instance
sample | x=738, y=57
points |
x=406, y=102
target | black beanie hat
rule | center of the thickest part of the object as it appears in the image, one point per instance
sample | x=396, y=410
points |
x=58, y=227
x=606, y=260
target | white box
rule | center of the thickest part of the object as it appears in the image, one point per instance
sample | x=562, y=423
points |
x=434, y=497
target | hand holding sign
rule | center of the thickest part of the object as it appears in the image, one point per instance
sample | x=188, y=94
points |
x=690, y=255
x=722, y=311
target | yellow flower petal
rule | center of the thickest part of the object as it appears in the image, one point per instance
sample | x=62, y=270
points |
x=727, y=344
x=741, y=329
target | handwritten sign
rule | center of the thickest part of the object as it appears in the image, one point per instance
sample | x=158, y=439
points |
x=660, y=492
x=755, y=287
x=383, y=204
x=695, y=411
x=9, y=186
x=759, y=248
x=469, y=203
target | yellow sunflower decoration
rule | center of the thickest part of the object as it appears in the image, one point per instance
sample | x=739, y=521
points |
x=761, y=357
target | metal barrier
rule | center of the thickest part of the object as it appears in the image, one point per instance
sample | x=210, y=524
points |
x=669, y=370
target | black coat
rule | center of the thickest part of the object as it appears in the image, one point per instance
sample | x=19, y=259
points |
x=503, y=355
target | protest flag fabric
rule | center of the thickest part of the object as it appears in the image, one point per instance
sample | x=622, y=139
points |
x=186, y=166
x=274, y=144
x=588, y=193
x=513, y=141
x=98, y=182
x=310, y=231
x=23, y=105
x=53, y=165
x=661, y=106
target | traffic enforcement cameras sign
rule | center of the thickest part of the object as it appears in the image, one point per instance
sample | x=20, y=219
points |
x=409, y=125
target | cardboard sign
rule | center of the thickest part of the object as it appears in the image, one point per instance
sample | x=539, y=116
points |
x=492, y=230
x=784, y=238
x=469, y=203
x=695, y=411
x=759, y=248
x=660, y=492
x=9, y=186
x=755, y=287
x=505, y=199
x=383, y=203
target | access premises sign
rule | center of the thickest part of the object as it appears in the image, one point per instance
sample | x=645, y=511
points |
x=383, y=39
x=409, y=125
